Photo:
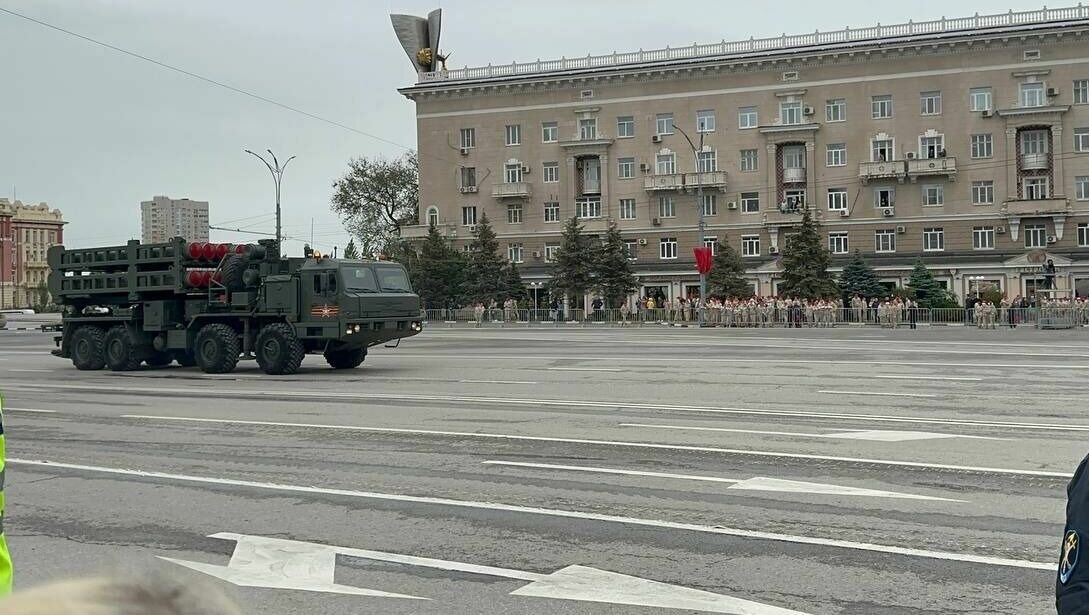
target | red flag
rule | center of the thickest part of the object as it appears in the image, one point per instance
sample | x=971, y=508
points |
x=704, y=259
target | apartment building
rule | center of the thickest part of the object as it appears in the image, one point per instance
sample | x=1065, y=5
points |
x=963, y=142
x=26, y=234
x=163, y=218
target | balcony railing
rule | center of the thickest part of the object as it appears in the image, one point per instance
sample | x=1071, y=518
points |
x=1036, y=207
x=932, y=167
x=511, y=190
x=710, y=179
x=794, y=175
x=784, y=215
x=672, y=181
x=419, y=231
x=881, y=170
x=1034, y=162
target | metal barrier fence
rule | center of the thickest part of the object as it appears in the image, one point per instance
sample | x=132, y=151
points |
x=758, y=317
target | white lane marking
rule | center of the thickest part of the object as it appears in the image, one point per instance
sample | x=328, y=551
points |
x=35, y=410
x=495, y=382
x=561, y=403
x=877, y=394
x=584, y=369
x=948, y=378
x=875, y=435
x=30, y=371
x=758, y=483
x=556, y=512
x=649, y=445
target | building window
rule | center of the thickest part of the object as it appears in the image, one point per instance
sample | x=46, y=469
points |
x=750, y=245
x=1081, y=92
x=981, y=99
x=550, y=252
x=550, y=172
x=794, y=201
x=513, y=172
x=982, y=146
x=432, y=216
x=468, y=215
x=515, y=252
x=710, y=204
x=705, y=121
x=1081, y=139
x=550, y=132
x=627, y=209
x=881, y=107
x=1032, y=94
x=750, y=202
x=711, y=242
x=884, y=240
x=835, y=110
x=708, y=161
x=625, y=168
x=1034, y=142
x=837, y=243
x=631, y=247
x=1081, y=187
x=931, y=147
x=625, y=126
x=884, y=197
x=1035, y=188
x=468, y=138
x=514, y=213
x=747, y=117
x=790, y=112
x=983, y=192
x=666, y=164
x=933, y=239
x=930, y=103
x=881, y=150
x=514, y=134
x=588, y=129
x=666, y=207
x=748, y=160
x=468, y=177
x=588, y=207
x=663, y=123
x=837, y=155
x=551, y=211
x=933, y=194
x=983, y=238
x=1035, y=235
x=1083, y=235
x=837, y=199
x=667, y=248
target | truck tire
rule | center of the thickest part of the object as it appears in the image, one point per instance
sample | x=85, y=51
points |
x=185, y=358
x=233, y=270
x=217, y=349
x=88, y=348
x=122, y=354
x=345, y=359
x=279, y=350
x=159, y=359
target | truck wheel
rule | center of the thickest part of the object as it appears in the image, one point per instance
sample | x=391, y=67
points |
x=233, y=270
x=279, y=350
x=88, y=348
x=159, y=359
x=345, y=359
x=185, y=358
x=217, y=349
x=121, y=351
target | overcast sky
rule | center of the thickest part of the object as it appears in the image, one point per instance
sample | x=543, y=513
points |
x=93, y=132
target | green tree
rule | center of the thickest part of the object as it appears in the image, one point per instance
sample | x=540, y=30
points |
x=513, y=286
x=351, y=252
x=376, y=197
x=805, y=263
x=612, y=273
x=926, y=290
x=858, y=278
x=727, y=275
x=572, y=274
x=485, y=268
x=441, y=273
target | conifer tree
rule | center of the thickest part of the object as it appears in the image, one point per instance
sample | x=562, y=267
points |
x=612, y=275
x=726, y=278
x=805, y=263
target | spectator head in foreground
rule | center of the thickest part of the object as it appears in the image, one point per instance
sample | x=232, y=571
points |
x=155, y=595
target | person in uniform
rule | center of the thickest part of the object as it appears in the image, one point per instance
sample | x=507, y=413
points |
x=6, y=569
x=1072, y=581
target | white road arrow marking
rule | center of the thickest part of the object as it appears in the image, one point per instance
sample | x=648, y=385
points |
x=283, y=564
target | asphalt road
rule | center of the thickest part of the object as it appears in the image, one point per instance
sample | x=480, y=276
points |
x=845, y=471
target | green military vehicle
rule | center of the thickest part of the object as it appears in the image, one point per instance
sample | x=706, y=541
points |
x=211, y=305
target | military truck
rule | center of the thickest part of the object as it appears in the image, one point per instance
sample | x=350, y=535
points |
x=211, y=305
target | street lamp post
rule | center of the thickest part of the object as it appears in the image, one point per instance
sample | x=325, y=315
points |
x=277, y=171
x=701, y=224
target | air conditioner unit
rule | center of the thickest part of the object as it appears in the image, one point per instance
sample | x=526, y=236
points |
x=911, y=155
x=773, y=250
x=900, y=230
x=1000, y=230
x=656, y=222
x=468, y=189
x=1052, y=92
x=1051, y=239
x=731, y=205
x=988, y=113
x=843, y=213
x=808, y=111
x=536, y=255
x=887, y=212
x=656, y=139
x=525, y=170
x=642, y=241
x=464, y=151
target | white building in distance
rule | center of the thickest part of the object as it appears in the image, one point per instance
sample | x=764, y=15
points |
x=163, y=218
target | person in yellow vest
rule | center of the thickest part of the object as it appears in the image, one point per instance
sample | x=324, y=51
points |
x=5, y=557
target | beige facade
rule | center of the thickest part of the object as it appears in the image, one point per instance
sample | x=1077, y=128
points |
x=966, y=146
x=26, y=234
x=163, y=218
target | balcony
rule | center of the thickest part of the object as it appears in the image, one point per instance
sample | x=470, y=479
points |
x=711, y=179
x=419, y=231
x=881, y=170
x=597, y=140
x=784, y=215
x=511, y=190
x=1037, y=207
x=1034, y=162
x=672, y=181
x=794, y=175
x=932, y=167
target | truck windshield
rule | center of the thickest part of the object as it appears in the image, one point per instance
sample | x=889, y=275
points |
x=393, y=280
x=359, y=280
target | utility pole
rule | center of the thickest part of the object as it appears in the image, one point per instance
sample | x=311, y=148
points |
x=277, y=172
x=701, y=224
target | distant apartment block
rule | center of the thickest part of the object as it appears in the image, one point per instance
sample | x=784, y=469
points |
x=163, y=218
